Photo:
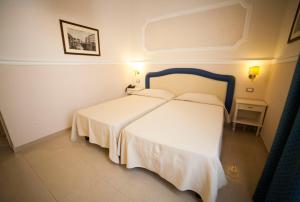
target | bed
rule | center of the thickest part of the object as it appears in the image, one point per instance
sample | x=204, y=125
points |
x=102, y=123
x=181, y=140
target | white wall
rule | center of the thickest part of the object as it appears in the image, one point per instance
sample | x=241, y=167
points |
x=40, y=86
x=281, y=75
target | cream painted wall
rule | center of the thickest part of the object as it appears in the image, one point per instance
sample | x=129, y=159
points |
x=40, y=86
x=189, y=27
x=38, y=101
x=30, y=29
x=276, y=94
x=261, y=42
x=281, y=76
x=283, y=49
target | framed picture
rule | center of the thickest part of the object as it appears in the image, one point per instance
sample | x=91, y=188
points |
x=295, y=31
x=79, y=40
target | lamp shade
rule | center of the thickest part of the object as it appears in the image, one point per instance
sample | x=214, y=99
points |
x=254, y=70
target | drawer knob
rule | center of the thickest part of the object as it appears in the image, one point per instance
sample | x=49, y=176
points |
x=250, y=107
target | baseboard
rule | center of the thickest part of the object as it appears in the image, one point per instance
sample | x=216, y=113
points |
x=43, y=139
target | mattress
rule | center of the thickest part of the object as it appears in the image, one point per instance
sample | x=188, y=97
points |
x=180, y=141
x=102, y=123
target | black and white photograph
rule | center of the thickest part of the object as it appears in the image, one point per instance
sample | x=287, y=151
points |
x=295, y=30
x=79, y=39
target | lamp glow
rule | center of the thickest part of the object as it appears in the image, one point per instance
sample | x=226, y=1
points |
x=137, y=68
x=253, y=72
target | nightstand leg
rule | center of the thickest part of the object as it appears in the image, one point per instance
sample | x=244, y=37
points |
x=258, y=130
x=233, y=127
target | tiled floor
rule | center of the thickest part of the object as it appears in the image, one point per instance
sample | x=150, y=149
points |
x=58, y=170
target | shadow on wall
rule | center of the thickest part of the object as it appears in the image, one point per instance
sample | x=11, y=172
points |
x=5, y=142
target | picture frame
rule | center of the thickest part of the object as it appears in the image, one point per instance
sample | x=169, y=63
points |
x=79, y=39
x=295, y=30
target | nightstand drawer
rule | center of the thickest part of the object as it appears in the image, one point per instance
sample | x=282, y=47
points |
x=251, y=107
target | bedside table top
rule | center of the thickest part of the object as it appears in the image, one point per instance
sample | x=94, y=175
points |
x=250, y=101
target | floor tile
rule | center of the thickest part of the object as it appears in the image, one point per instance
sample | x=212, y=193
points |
x=18, y=182
x=60, y=170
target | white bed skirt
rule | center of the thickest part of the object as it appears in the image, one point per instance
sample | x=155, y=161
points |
x=185, y=170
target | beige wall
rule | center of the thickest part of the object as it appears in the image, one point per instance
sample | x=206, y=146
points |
x=40, y=86
x=283, y=49
x=275, y=97
x=281, y=76
x=257, y=47
x=187, y=28
x=30, y=29
x=38, y=101
x=260, y=43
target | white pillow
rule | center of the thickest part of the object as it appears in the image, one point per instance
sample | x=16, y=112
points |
x=156, y=93
x=205, y=99
x=201, y=98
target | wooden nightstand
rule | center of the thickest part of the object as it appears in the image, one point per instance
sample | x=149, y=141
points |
x=130, y=91
x=249, y=112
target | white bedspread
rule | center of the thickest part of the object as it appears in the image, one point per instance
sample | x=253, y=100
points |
x=102, y=123
x=180, y=141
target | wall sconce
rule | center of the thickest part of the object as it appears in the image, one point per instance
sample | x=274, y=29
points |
x=137, y=69
x=136, y=72
x=253, y=72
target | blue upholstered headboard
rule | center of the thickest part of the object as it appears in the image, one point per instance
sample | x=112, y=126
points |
x=229, y=79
